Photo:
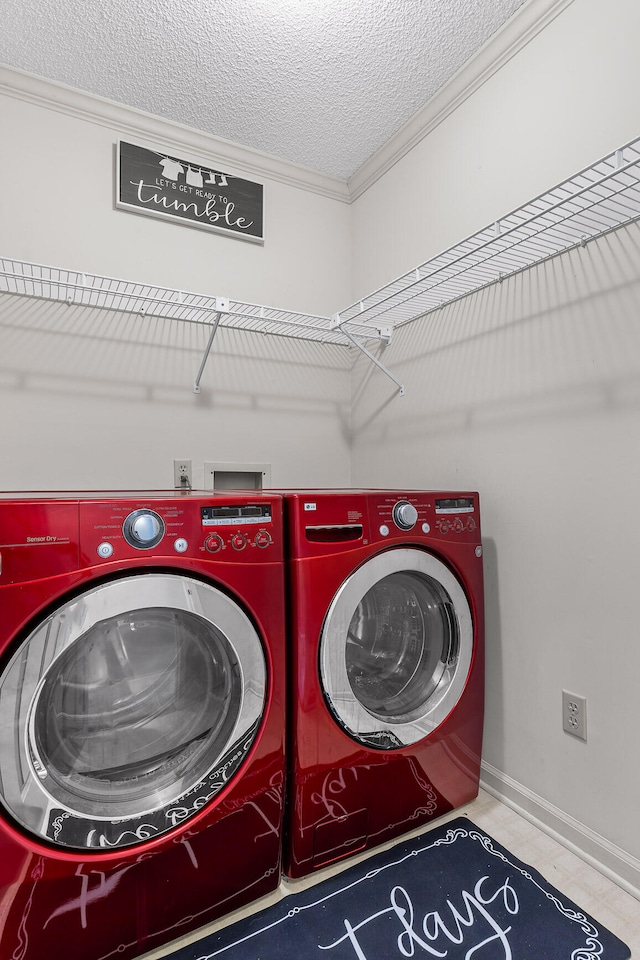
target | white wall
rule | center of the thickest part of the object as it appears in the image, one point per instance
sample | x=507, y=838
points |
x=57, y=173
x=530, y=392
x=566, y=99
x=96, y=399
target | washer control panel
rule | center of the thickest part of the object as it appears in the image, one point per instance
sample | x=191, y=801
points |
x=424, y=514
x=455, y=515
x=325, y=522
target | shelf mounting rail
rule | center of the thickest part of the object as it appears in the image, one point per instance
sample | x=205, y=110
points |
x=601, y=198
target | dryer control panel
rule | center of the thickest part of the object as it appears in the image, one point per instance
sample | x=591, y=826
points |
x=239, y=525
x=192, y=526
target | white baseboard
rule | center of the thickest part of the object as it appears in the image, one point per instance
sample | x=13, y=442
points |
x=594, y=849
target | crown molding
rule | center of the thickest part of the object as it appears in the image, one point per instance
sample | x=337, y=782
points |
x=519, y=30
x=128, y=121
x=530, y=20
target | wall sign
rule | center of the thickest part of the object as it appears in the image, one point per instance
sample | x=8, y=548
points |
x=161, y=185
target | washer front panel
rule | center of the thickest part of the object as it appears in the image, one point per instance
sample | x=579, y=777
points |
x=396, y=648
x=127, y=710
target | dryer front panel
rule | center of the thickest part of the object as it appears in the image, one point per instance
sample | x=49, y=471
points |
x=127, y=710
x=396, y=648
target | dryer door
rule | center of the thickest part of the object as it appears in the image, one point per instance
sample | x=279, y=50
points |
x=127, y=710
x=396, y=648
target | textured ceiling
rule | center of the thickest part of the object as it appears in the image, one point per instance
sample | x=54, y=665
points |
x=323, y=83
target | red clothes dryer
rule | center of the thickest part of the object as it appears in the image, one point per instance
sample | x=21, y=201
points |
x=142, y=716
x=387, y=692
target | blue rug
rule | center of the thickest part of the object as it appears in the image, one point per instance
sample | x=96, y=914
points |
x=452, y=893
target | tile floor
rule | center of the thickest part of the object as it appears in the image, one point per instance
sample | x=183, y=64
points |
x=610, y=905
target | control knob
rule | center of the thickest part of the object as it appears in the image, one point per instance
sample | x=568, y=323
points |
x=143, y=529
x=214, y=543
x=405, y=515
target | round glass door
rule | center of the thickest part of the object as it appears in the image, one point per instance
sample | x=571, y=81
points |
x=396, y=648
x=135, y=704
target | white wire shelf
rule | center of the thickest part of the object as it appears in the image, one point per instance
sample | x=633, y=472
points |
x=599, y=199
x=91, y=290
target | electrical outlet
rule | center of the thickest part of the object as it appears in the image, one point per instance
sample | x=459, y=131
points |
x=574, y=715
x=182, y=474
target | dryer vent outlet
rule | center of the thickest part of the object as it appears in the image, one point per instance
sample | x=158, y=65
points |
x=574, y=714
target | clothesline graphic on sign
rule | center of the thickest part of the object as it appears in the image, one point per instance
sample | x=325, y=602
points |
x=194, y=178
x=172, y=169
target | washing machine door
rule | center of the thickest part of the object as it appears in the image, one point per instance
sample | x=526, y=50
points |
x=127, y=710
x=396, y=648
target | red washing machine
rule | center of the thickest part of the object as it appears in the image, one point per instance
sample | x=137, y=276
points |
x=142, y=716
x=387, y=705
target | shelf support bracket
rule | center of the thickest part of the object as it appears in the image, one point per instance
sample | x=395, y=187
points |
x=222, y=306
x=361, y=347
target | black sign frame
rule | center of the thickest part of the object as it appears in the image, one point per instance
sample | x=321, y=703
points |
x=156, y=183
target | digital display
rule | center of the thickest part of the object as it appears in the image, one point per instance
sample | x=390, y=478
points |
x=455, y=505
x=236, y=514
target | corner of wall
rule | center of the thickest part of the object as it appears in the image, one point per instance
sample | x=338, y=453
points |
x=606, y=857
x=516, y=33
